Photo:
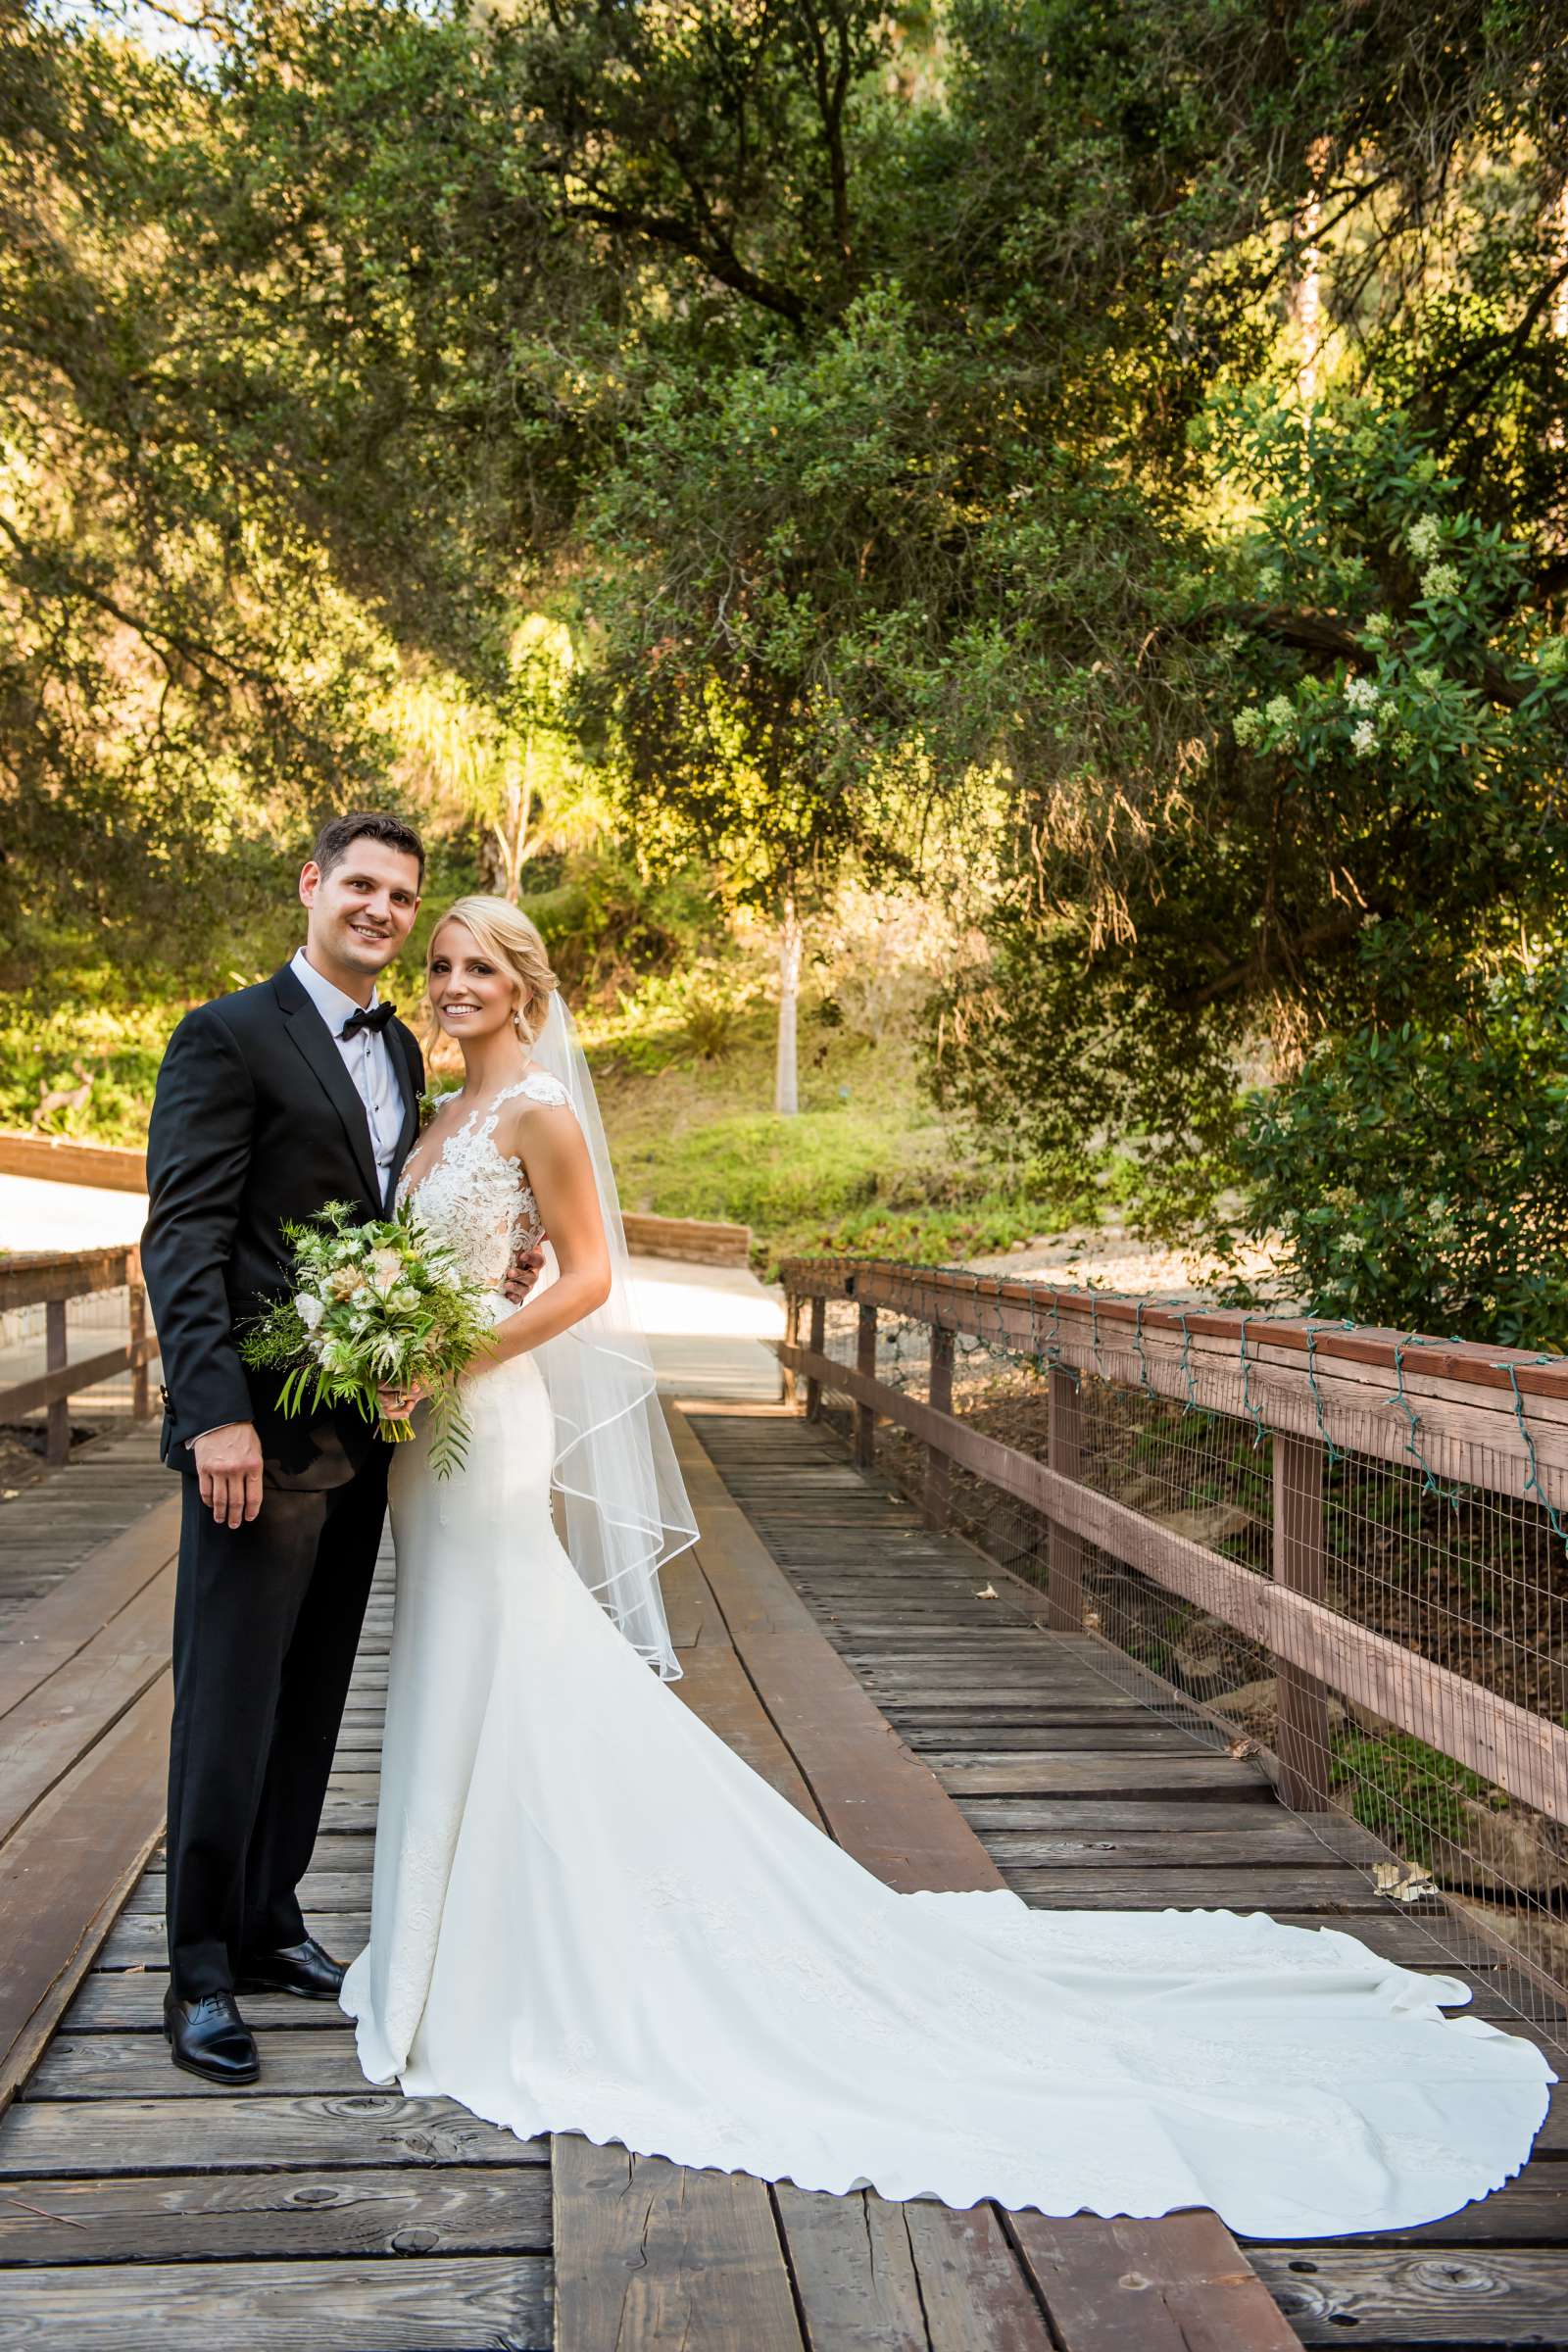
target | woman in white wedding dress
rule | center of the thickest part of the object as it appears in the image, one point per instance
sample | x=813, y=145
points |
x=590, y=1916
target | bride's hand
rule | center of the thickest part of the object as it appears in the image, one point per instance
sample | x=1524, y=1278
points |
x=398, y=1403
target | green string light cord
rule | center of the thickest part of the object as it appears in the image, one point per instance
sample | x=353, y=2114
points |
x=1430, y=1483
x=1533, y=1480
x=1143, y=1380
x=1093, y=1333
x=1190, y=1403
x=1249, y=1403
x=1330, y=1453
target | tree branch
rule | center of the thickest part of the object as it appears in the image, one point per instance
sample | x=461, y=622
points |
x=1334, y=931
x=51, y=578
x=718, y=259
x=1325, y=634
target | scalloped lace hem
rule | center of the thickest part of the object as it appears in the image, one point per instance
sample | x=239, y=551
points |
x=1019, y=2189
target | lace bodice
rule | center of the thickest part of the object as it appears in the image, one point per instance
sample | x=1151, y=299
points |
x=474, y=1197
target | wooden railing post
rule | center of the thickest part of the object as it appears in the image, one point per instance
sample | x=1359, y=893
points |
x=865, y=1365
x=817, y=1341
x=140, y=1395
x=57, y=1416
x=1301, y=1735
x=1065, y=1552
x=938, y=1467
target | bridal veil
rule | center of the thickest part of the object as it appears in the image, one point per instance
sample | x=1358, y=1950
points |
x=626, y=1509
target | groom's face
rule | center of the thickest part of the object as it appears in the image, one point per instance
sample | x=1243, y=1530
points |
x=363, y=909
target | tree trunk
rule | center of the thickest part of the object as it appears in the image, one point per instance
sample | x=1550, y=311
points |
x=1559, y=305
x=786, y=1095
x=1309, y=302
x=504, y=846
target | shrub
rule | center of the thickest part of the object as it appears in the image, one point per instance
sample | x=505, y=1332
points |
x=1418, y=1176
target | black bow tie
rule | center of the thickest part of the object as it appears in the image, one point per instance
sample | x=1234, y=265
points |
x=372, y=1016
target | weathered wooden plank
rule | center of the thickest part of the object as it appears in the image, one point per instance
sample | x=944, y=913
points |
x=62, y=1872
x=687, y=1600
x=136, y=2065
x=46, y=1732
x=1531, y=2210
x=1124, y=1736
x=52, y=1628
x=1175, y=1889
x=855, y=2272
x=411, y=2305
x=880, y=1801
x=713, y=1686
x=236, y=2132
x=1031, y=1703
x=1177, y=2284
x=318, y=1889
x=874, y=2276
x=136, y=1939
x=1475, y=2296
x=1253, y=1843
x=1193, y=1774
x=1254, y=1825
x=130, y=2000
x=651, y=2254
x=211, y=2216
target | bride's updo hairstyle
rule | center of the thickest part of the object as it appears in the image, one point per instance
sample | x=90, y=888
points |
x=512, y=944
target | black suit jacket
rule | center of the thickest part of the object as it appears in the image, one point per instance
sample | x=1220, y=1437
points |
x=256, y=1122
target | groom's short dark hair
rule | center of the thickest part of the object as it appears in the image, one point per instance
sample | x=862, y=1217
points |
x=338, y=835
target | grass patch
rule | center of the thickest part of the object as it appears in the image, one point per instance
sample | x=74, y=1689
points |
x=866, y=1163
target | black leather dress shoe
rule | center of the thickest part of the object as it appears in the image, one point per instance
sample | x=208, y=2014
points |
x=208, y=2037
x=302, y=1968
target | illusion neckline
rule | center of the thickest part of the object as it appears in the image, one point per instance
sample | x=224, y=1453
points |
x=406, y=1192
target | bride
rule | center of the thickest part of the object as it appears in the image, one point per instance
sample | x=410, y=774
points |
x=589, y=1915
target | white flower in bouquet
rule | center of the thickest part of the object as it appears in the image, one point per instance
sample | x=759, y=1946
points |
x=386, y=1269
x=310, y=1308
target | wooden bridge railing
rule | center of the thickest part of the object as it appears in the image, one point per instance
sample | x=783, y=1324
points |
x=1480, y=1417
x=49, y=1279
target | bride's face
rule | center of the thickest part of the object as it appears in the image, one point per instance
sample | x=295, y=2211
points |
x=472, y=995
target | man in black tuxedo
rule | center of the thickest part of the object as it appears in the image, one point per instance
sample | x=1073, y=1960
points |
x=270, y=1102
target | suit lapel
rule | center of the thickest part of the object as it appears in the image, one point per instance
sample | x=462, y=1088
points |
x=403, y=1063
x=319, y=1048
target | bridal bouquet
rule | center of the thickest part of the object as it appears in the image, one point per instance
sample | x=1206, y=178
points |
x=373, y=1305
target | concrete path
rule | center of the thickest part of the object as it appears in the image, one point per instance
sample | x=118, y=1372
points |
x=707, y=1326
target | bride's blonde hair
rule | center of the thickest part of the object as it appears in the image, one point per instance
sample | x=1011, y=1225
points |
x=511, y=941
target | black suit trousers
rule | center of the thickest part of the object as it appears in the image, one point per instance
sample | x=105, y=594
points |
x=267, y=1623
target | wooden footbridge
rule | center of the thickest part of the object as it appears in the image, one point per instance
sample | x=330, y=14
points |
x=909, y=1693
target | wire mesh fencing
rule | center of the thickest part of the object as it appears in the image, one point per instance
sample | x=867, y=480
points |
x=1462, y=1580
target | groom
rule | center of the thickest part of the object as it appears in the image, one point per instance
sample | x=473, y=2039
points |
x=301, y=1089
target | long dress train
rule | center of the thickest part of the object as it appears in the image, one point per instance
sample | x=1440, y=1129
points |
x=589, y=1915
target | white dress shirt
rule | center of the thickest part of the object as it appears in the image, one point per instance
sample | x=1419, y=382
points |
x=367, y=1059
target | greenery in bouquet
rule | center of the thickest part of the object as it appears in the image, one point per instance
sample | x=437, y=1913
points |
x=376, y=1304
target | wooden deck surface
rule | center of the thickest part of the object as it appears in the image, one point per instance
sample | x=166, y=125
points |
x=1089, y=1796
x=140, y=2208
x=48, y=1527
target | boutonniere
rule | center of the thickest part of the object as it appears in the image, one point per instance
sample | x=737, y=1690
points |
x=431, y=1100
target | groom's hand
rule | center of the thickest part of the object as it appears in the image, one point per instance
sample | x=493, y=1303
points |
x=521, y=1275
x=228, y=1471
